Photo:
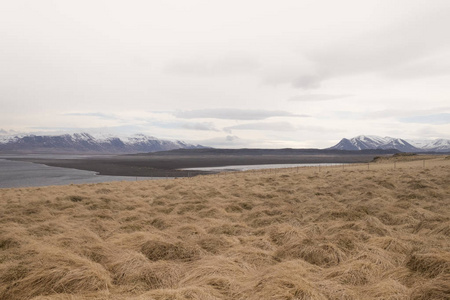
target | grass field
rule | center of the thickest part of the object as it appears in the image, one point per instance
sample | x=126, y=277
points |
x=369, y=231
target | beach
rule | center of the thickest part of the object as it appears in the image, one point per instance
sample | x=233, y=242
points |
x=173, y=163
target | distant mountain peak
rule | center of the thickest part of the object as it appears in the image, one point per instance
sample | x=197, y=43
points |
x=364, y=142
x=83, y=142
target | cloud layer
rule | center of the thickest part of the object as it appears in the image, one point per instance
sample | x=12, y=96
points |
x=228, y=65
x=233, y=114
x=317, y=97
x=287, y=74
x=273, y=126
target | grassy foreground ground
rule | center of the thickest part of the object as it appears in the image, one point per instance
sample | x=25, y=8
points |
x=371, y=231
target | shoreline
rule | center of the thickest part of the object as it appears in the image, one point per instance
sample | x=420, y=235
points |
x=164, y=165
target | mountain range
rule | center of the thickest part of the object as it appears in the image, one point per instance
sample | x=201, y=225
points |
x=364, y=142
x=86, y=143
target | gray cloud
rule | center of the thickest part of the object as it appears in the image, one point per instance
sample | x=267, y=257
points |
x=387, y=113
x=381, y=51
x=425, y=68
x=202, y=126
x=233, y=114
x=143, y=126
x=206, y=126
x=307, y=81
x=443, y=118
x=393, y=51
x=8, y=132
x=122, y=130
x=301, y=74
x=404, y=113
x=231, y=138
x=230, y=64
x=274, y=126
x=229, y=141
x=97, y=115
x=233, y=141
x=429, y=132
x=317, y=97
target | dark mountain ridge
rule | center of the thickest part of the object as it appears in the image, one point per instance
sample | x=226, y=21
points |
x=262, y=152
x=84, y=143
x=363, y=142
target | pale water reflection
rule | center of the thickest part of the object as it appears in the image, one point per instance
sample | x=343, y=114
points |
x=27, y=174
x=259, y=167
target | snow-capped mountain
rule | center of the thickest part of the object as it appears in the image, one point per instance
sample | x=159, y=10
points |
x=364, y=142
x=86, y=143
x=439, y=145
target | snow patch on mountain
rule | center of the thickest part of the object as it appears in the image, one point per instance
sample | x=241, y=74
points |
x=86, y=143
x=363, y=142
x=437, y=145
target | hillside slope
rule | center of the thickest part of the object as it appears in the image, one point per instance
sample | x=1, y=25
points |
x=82, y=143
x=359, y=232
x=365, y=142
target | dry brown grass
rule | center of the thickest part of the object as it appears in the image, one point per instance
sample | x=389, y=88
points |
x=378, y=231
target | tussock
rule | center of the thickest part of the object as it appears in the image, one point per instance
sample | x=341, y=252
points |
x=159, y=250
x=430, y=264
x=285, y=234
x=8, y=242
x=134, y=270
x=228, y=229
x=181, y=294
x=338, y=233
x=388, y=289
x=286, y=281
x=51, y=271
x=391, y=244
x=358, y=273
x=374, y=226
x=436, y=289
x=214, y=244
x=335, y=291
x=443, y=229
x=316, y=253
x=255, y=258
x=218, y=274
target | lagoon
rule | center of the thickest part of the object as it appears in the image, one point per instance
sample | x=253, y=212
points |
x=27, y=174
x=258, y=167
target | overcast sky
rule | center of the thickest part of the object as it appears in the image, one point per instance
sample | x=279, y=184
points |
x=227, y=73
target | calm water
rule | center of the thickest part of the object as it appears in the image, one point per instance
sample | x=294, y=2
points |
x=258, y=167
x=25, y=174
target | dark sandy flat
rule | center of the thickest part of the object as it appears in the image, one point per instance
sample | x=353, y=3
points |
x=169, y=163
